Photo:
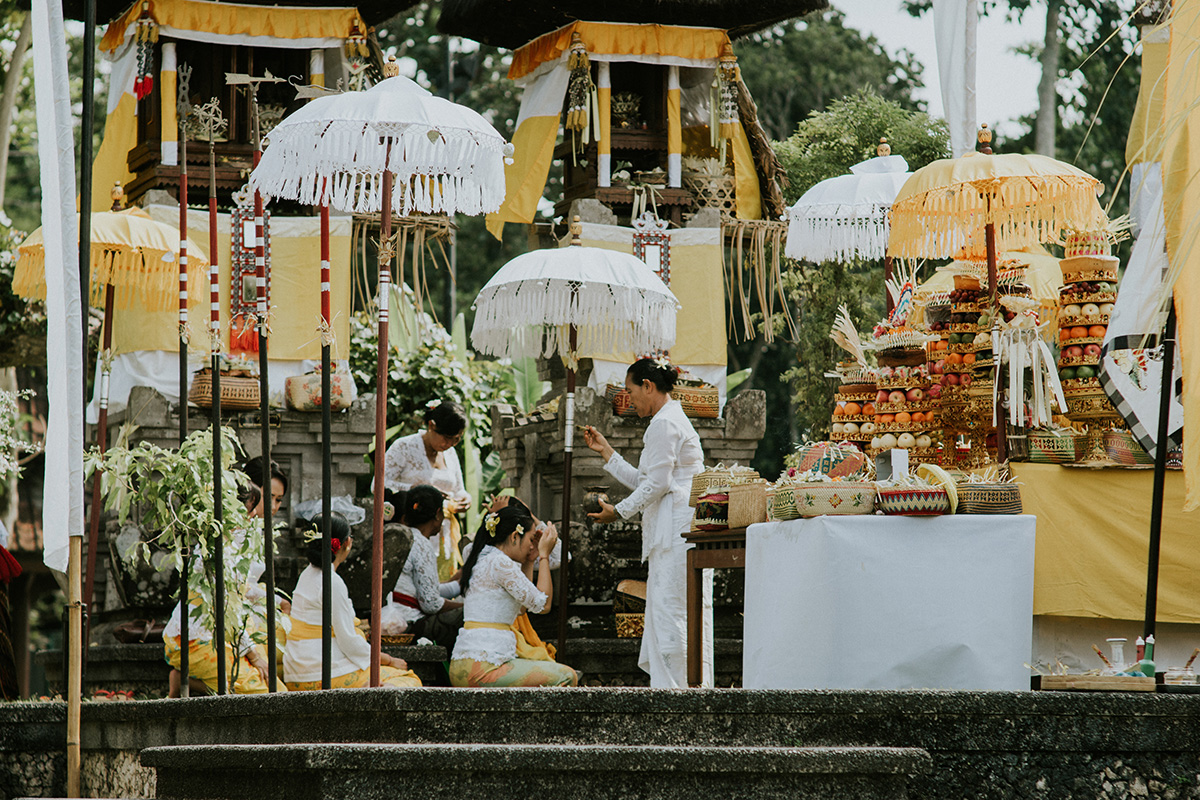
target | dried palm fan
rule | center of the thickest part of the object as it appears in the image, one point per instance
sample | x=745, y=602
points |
x=846, y=336
x=900, y=288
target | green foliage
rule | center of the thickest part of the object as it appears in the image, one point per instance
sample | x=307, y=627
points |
x=801, y=66
x=829, y=142
x=169, y=493
x=433, y=367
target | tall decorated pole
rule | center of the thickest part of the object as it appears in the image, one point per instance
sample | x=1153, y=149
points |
x=183, y=109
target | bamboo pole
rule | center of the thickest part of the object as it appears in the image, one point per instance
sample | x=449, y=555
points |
x=75, y=662
x=381, y=376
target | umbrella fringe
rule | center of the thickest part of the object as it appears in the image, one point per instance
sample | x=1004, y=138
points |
x=609, y=319
x=438, y=170
x=818, y=239
x=1025, y=211
x=139, y=276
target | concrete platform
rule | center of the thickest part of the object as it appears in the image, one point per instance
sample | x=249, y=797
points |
x=599, y=772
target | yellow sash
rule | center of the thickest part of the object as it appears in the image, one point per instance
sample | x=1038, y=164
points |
x=500, y=626
x=304, y=630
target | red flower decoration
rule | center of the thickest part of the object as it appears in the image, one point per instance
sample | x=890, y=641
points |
x=335, y=544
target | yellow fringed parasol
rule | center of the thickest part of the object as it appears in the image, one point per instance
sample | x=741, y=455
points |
x=1028, y=198
x=134, y=254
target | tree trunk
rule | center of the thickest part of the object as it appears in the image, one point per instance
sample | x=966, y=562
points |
x=1047, y=119
x=11, y=82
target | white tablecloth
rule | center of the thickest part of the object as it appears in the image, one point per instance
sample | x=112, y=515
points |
x=876, y=602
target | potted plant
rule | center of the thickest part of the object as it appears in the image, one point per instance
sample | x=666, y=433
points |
x=169, y=493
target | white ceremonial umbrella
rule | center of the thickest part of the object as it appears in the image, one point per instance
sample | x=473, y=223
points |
x=394, y=146
x=846, y=217
x=566, y=300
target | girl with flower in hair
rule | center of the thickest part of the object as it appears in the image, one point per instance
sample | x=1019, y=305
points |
x=429, y=457
x=350, y=659
x=496, y=587
x=661, y=483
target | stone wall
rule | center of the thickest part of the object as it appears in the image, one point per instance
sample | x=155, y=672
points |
x=1001, y=745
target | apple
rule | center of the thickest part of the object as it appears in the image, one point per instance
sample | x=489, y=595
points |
x=1074, y=351
x=882, y=396
x=867, y=428
x=875, y=445
x=934, y=392
x=923, y=441
x=1072, y=310
x=887, y=441
x=906, y=440
x=915, y=395
x=950, y=379
x=839, y=427
x=938, y=367
x=895, y=397
x=983, y=338
x=966, y=379
x=1067, y=373
x=1107, y=308
x=1092, y=350
x=850, y=428
x=1091, y=310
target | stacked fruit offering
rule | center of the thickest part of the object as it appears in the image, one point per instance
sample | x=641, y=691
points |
x=854, y=412
x=1085, y=306
x=904, y=413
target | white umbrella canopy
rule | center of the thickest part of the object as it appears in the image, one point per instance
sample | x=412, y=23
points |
x=446, y=158
x=616, y=302
x=846, y=217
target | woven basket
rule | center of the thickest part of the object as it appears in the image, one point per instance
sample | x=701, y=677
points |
x=1049, y=447
x=1124, y=449
x=702, y=402
x=237, y=393
x=828, y=459
x=712, y=511
x=913, y=501
x=783, y=504
x=989, y=498
x=712, y=191
x=716, y=475
x=397, y=639
x=840, y=498
x=630, y=597
x=622, y=403
x=747, y=504
x=630, y=626
x=303, y=392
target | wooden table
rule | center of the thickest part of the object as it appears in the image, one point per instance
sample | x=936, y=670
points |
x=711, y=550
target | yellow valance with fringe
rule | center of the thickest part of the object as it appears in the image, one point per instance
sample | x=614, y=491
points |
x=130, y=252
x=237, y=19
x=1029, y=198
x=619, y=39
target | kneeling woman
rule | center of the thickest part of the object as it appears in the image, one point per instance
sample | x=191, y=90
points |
x=350, y=659
x=496, y=588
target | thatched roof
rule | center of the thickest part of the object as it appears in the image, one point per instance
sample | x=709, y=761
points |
x=512, y=23
x=373, y=11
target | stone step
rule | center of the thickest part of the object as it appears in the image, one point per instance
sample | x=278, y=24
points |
x=599, y=772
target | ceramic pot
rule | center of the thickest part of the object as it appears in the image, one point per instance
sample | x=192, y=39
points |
x=593, y=497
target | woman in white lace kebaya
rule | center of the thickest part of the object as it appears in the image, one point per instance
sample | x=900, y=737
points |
x=429, y=457
x=419, y=600
x=496, y=587
x=661, y=483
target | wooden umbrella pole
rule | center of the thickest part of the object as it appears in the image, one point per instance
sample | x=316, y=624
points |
x=381, y=368
x=1162, y=444
x=75, y=664
x=565, y=533
x=989, y=233
x=326, y=389
x=185, y=73
x=889, y=304
x=215, y=325
x=264, y=392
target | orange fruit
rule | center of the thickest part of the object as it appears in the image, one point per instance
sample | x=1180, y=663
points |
x=903, y=417
x=918, y=416
x=1098, y=331
x=853, y=408
x=839, y=410
x=885, y=418
x=1079, y=332
x=954, y=358
x=941, y=345
x=868, y=408
x=968, y=358
x=1064, y=334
